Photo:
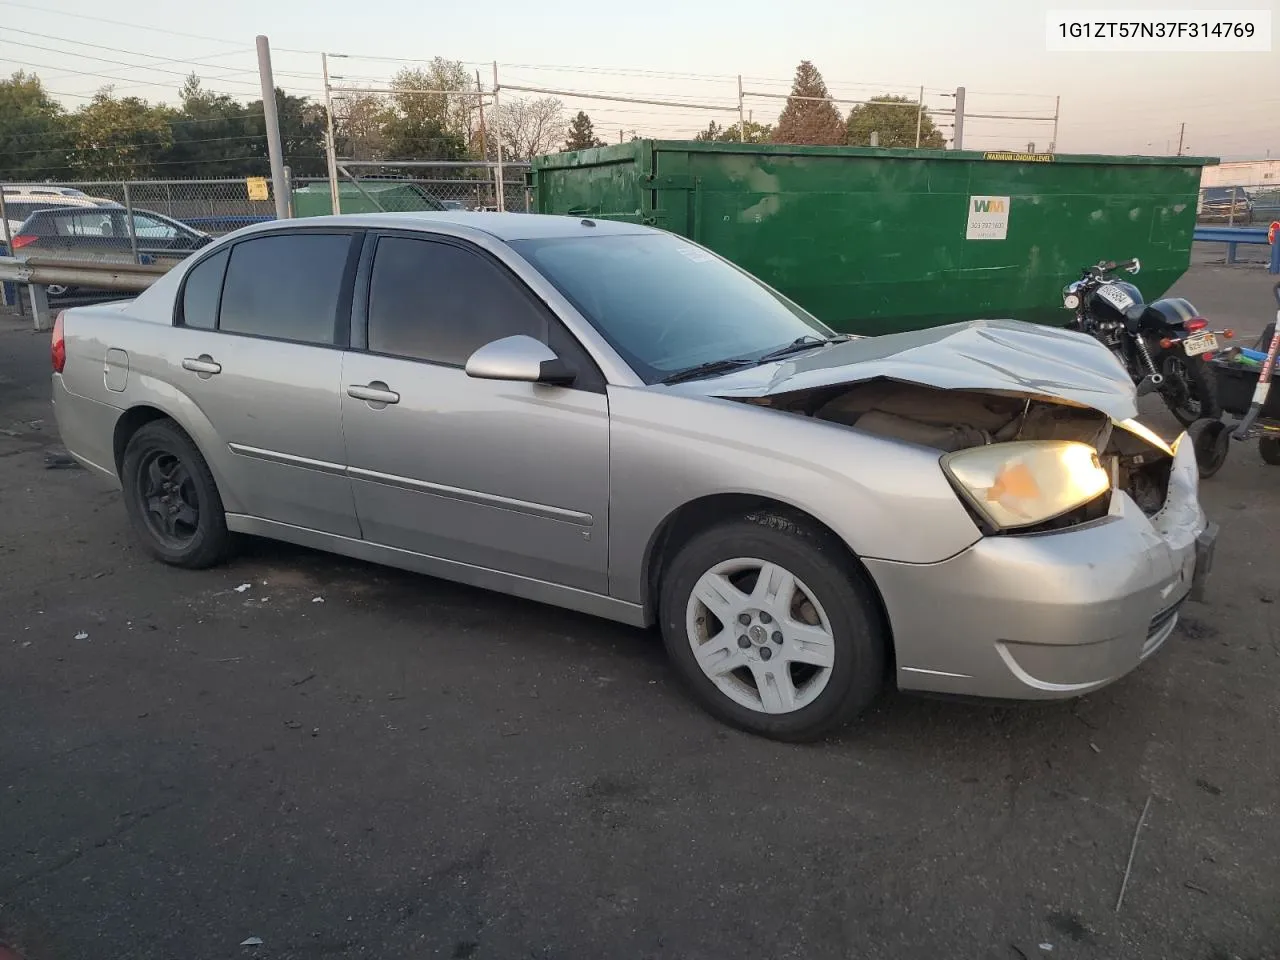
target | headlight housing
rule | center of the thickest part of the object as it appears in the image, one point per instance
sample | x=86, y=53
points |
x=1025, y=483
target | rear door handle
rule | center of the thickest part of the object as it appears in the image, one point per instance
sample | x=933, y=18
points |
x=203, y=364
x=375, y=392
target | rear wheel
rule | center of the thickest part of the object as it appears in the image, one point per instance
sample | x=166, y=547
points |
x=1269, y=448
x=1190, y=389
x=773, y=627
x=171, y=497
x=1210, y=440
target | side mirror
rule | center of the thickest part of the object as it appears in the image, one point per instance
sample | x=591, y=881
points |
x=520, y=358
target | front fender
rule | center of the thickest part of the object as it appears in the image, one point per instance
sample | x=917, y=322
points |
x=884, y=499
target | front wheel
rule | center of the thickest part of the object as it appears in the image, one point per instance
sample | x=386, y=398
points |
x=774, y=627
x=1190, y=388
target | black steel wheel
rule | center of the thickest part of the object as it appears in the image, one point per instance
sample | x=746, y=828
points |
x=171, y=497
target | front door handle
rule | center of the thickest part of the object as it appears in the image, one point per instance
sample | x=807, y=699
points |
x=375, y=392
x=203, y=365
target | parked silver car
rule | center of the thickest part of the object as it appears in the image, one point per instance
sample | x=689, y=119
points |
x=613, y=419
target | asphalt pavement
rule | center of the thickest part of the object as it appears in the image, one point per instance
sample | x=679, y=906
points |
x=348, y=761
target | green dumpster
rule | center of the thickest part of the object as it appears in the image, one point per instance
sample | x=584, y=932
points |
x=369, y=196
x=878, y=240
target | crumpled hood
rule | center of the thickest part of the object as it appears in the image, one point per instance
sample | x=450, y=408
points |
x=1005, y=355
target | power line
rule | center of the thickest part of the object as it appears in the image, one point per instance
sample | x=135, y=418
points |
x=107, y=76
x=123, y=63
x=170, y=123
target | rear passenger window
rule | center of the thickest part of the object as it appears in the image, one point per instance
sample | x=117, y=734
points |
x=285, y=287
x=200, y=293
x=437, y=302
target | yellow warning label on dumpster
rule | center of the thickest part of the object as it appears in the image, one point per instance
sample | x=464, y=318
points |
x=257, y=187
x=1018, y=157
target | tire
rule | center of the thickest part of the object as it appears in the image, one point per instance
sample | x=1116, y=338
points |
x=1190, y=388
x=1269, y=449
x=164, y=476
x=807, y=698
x=1210, y=440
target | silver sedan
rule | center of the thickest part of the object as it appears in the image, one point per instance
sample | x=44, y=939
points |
x=610, y=418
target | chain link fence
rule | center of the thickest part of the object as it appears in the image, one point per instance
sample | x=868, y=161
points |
x=146, y=221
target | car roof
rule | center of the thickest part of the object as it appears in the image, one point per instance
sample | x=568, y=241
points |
x=503, y=226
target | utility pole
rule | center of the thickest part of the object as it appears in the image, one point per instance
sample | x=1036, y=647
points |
x=1181, y=133
x=958, y=132
x=330, y=147
x=920, y=116
x=270, y=116
x=484, y=147
x=497, y=122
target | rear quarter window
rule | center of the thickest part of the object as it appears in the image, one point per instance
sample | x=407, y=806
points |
x=201, y=292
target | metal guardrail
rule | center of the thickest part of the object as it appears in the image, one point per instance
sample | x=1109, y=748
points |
x=1232, y=236
x=38, y=273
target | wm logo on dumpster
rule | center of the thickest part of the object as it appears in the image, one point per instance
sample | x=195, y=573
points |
x=988, y=205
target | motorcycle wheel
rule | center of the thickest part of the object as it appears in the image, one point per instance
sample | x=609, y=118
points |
x=1210, y=440
x=1190, y=388
x=1269, y=450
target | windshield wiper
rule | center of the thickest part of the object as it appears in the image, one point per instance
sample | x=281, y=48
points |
x=799, y=343
x=706, y=370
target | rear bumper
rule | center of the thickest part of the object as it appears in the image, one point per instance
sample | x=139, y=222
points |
x=1048, y=616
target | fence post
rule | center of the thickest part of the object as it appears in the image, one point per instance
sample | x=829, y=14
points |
x=920, y=116
x=330, y=146
x=40, y=314
x=1231, y=211
x=128, y=216
x=958, y=130
x=9, y=289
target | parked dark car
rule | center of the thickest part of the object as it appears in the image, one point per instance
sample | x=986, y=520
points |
x=103, y=234
x=1231, y=205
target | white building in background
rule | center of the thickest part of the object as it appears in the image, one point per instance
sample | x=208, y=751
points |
x=1242, y=173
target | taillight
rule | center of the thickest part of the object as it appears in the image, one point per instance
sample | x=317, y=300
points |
x=59, y=350
x=1199, y=323
x=22, y=239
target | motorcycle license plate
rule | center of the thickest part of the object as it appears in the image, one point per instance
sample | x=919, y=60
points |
x=1200, y=343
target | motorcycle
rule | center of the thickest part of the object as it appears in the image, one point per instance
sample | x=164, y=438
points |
x=1163, y=344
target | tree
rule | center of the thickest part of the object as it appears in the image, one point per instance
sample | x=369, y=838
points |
x=34, y=133
x=429, y=125
x=529, y=128
x=302, y=132
x=359, y=126
x=211, y=136
x=120, y=138
x=582, y=134
x=895, y=125
x=810, y=116
x=756, y=133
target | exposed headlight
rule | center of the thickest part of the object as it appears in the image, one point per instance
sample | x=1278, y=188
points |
x=1025, y=483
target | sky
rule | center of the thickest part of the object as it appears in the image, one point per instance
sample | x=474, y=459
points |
x=684, y=51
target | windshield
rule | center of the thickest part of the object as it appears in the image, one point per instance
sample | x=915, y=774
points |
x=665, y=304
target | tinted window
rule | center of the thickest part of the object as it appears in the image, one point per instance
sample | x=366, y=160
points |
x=20, y=210
x=152, y=228
x=666, y=305
x=285, y=286
x=438, y=302
x=200, y=292
x=91, y=223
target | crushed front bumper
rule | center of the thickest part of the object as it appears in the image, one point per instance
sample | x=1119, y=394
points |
x=1050, y=615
